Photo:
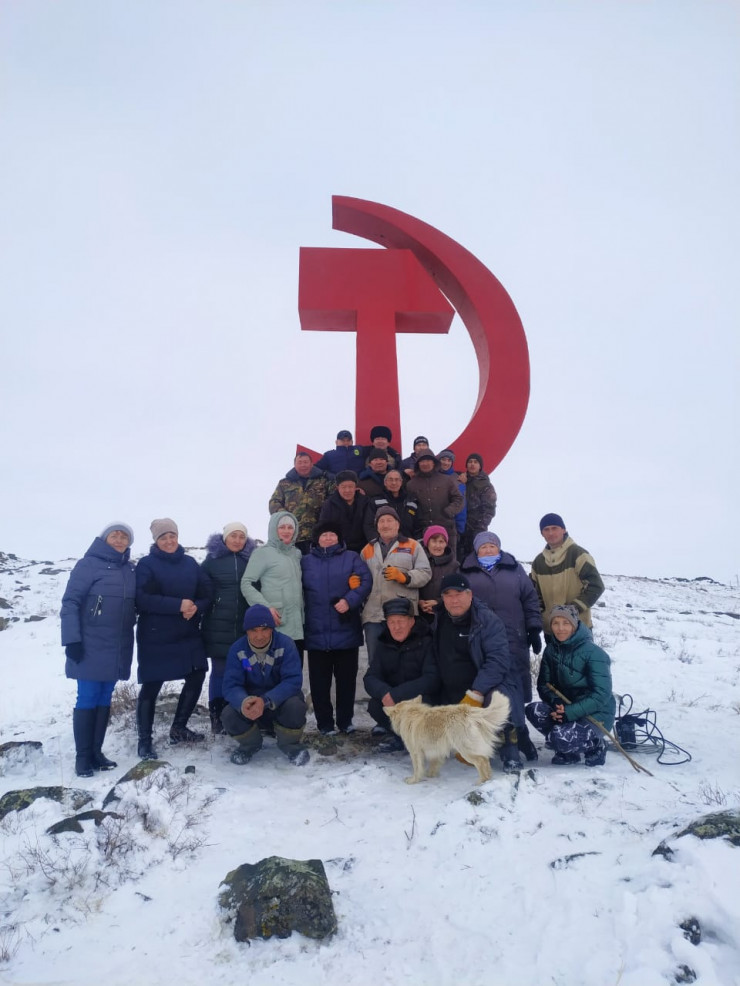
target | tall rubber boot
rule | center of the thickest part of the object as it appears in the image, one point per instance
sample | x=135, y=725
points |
x=144, y=723
x=289, y=743
x=83, y=726
x=509, y=752
x=179, y=732
x=249, y=742
x=99, y=759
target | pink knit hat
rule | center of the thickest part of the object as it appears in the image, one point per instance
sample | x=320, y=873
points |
x=433, y=530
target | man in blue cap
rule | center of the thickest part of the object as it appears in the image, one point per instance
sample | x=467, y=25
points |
x=262, y=684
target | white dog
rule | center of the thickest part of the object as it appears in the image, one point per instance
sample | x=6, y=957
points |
x=433, y=732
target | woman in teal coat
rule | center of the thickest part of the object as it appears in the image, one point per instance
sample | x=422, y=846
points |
x=273, y=577
x=580, y=671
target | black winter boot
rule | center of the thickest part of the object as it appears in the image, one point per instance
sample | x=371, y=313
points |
x=100, y=761
x=526, y=746
x=144, y=723
x=179, y=732
x=215, y=708
x=290, y=743
x=249, y=743
x=83, y=727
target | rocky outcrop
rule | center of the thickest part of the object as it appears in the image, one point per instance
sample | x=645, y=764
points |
x=74, y=823
x=137, y=773
x=716, y=825
x=278, y=896
x=20, y=800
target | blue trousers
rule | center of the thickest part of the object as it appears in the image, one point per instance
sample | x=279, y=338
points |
x=91, y=694
x=579, y=736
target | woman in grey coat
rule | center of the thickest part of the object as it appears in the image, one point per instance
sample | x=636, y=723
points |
x=98, y=616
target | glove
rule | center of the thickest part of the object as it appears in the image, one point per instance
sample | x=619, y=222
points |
x=394, y=574
x=471, y=698
x=535, y=640
x=354, y=581
x=75, y=652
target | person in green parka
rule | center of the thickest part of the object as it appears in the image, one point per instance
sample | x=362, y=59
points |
x=581, y=672
x=273, y=577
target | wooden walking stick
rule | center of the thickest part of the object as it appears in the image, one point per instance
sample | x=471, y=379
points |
x=612, y=736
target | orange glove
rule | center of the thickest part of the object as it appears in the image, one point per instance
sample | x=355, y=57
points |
x=469, y=698
x=354, y=581
x=393, y=574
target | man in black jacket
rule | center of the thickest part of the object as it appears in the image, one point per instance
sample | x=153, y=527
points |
x=402, y=666
x=351, y=511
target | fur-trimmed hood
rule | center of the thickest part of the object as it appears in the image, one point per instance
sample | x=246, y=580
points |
x=215, y=548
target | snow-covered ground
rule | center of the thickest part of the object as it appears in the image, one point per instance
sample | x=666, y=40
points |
x=549, y=879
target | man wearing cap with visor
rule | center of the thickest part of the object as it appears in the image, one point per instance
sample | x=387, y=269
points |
x=262, y=684
x=344, y=456
x=402, y=667
x=564, y=573
x=473, y=660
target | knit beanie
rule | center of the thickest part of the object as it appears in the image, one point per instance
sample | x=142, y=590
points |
x=325, y=528
x=346, y=476
x=163, y=525
x=234, y=526
x=378, y=453
x=380, y=431
x=386, y=512
x=118, y=526
x=570, y=613
x=475, y=455
x=552, y=520
x=258, y=616
x=420, y=439
x=485, y=537
x=426, y=454
x=447, y=453
x=432, y=531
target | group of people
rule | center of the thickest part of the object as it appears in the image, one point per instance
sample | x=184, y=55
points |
x=341, y=567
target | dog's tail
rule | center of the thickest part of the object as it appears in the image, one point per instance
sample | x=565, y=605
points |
x=497, y=713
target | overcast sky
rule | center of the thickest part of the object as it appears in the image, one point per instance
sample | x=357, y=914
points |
x=161, y=164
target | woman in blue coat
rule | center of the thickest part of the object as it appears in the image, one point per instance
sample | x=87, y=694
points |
x=98, y=616
x=336, y=583
x=171, y=596
x=224, y=566
x=498, y=580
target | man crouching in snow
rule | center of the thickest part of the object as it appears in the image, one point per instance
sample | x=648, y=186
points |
x=262, y=684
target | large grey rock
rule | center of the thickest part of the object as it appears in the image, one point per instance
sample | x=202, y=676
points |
x=74, y=824
x=20, y=800
x=16, y=752
x=137, y=773
x=278, y=896
x=715, y=825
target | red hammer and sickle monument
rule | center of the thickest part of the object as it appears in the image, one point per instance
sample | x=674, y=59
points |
x=408, y=287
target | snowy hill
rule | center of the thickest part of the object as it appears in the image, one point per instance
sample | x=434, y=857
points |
x=546, y=878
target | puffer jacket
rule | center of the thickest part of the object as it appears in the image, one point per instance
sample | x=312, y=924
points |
x=224, y=570
x=99, y=611
x=326, y=573
x=277, y=679
x=168, y=645
x=489, y=651
x=404, y=553
x=439, y=500
x=273, y=578
x=405, y=669
x=508, y=591
x=342, y=457
x=582, y=672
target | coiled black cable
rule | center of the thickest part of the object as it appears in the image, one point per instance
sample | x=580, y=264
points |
x=638, y=732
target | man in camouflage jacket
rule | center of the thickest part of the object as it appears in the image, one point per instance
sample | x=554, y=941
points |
x=302, y=492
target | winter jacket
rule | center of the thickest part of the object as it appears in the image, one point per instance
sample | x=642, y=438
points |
x=438, y=499
x=461, y=517
x=371, y=482
x=394, y=457
x=222, y=624
x=566, y=575
x=581, y=671
x=168, y=645
x=480, y=497
x=342, y=457
x=356, y=520
x=326, y=573
x=440, y=566
x=273, y=578
x=404, y=506
x=488, y=647
x=508, y=591
x=98, y=610
x=405, y=669
x=404, y=553
x=303, y=498
x=276, y=680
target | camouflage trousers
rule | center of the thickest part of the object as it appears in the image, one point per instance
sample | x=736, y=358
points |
x=579, y=736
